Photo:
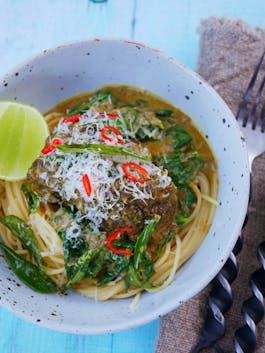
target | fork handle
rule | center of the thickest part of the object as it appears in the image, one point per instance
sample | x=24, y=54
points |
x=220, y=300
x=245, y=339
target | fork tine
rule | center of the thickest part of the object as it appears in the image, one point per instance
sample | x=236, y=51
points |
x=262, y=118
x=255, y=104
x=242, y=108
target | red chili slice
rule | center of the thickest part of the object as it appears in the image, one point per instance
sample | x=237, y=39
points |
x=135, y=172
x=72, y=119
x=87, y=184
x=113, y=236
x=110, y=115
x=105, y=136
x=57, y=141
x=51, y=147
x=48, y=149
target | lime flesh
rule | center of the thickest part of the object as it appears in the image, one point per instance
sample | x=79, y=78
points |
x=23, y=132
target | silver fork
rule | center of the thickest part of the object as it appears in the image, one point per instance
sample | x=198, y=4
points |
x=220, y=298
x=253, y=127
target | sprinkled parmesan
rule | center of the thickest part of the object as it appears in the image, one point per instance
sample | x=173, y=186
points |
x=89, y=127
x=111, y=191
x=107, y=180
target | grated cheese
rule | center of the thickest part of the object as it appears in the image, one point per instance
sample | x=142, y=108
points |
x=88, y=129
x=64, y=171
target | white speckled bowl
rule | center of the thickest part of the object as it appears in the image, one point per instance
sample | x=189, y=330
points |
x=67, y=70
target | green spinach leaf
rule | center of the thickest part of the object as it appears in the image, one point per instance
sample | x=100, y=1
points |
x=164, y=113
x=32, y=198
x=25, y=234
x=182, y=167
x=180, y=137
x=29, y=273
x=79, y=269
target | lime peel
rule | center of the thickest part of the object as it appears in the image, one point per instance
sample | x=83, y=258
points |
x=23, y=131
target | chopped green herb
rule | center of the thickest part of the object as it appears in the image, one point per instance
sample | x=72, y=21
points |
x=101, y=149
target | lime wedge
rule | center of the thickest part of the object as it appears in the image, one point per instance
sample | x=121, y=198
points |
x=23, y=131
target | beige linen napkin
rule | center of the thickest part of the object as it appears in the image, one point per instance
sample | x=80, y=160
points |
x=229, y=52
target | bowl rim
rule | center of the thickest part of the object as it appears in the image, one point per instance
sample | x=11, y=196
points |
x=205, y=280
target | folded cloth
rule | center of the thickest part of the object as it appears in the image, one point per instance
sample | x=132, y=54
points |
x=229, y=52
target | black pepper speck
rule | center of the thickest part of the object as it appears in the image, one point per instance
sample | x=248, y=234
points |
x=187, y=97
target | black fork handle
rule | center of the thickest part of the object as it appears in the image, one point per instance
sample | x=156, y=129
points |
x=220, y=301
x=245, y=339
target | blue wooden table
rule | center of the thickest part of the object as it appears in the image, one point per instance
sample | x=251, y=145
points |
x=30, y=26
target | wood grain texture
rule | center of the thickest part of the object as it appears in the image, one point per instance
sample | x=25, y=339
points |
x=30, y=26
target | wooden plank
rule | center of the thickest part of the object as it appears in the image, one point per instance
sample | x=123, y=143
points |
x=19, y=336
x=138, y=340
x=31, y=26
